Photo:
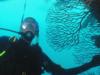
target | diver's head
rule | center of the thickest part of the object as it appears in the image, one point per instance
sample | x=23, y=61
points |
x=29, y=28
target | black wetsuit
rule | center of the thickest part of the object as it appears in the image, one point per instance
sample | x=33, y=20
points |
x=22, y=59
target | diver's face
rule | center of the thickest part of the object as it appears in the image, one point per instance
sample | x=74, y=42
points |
x=28, y=30
x=28, y=27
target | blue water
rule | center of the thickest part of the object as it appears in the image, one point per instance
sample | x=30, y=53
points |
x=60, y=37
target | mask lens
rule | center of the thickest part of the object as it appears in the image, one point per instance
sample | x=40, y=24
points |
x=24, y=26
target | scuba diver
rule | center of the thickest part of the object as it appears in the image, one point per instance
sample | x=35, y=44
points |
x=19, y=57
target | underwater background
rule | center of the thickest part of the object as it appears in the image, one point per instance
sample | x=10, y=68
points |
x=66, y=29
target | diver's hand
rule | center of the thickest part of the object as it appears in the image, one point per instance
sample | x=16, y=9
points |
x=96, y=60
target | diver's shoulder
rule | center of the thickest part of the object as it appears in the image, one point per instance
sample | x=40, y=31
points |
x=7, y=38
x=4, y=42
x=4, y=39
